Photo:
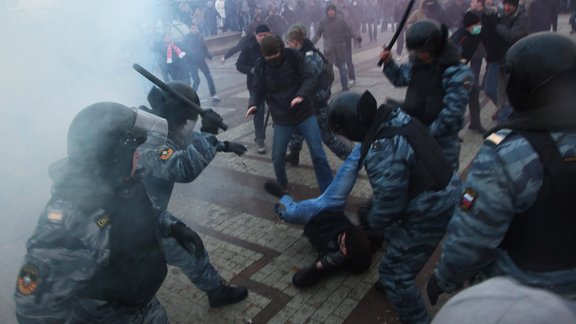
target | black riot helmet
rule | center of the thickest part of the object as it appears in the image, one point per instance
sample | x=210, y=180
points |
x=102, y=138
x=541, y=69
x=351, y=114
x=174, y=110
x=427, y=35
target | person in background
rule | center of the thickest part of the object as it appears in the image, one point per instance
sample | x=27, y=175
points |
x=211, y=17
x=336, y=34
x=543, y=15
x=171, y=60
x=500, y=30
x=197, y=53
x=467, y=38
x=245, y=64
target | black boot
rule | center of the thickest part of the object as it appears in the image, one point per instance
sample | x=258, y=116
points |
x=307, y=277
x=226, y=295
x=274, y=188
x=293, y=158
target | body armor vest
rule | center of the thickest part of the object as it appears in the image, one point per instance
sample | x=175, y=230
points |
x=425, y=93
x=543, y=238
x=137, y=266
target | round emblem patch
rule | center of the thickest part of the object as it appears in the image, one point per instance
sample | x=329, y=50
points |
x=27, y=279
x=165, y=153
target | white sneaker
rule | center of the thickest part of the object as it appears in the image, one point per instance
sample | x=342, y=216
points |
x=215, y=98
x=351, y=83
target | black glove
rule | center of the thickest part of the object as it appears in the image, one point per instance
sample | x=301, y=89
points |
x=359, y=39
x=307, y=277
x=188, y=239
x=233, y=147
x=211, y=122
x=433, y=290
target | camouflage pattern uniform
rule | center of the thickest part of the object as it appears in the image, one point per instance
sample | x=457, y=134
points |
x=320, y=98
x=179, y=160
x=504, y=180
x=457, y=82
x=74, y=270
x=412, y=227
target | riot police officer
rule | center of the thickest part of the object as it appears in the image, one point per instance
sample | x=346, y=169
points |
x=438, y=84
x=516, y=215
x=414, y=191
x=181, y=158
x=96, y=253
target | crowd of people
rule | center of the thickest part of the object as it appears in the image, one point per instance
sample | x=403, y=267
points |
x=100, y=249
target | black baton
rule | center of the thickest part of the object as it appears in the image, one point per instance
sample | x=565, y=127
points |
x=160, y=84
x=398, y=28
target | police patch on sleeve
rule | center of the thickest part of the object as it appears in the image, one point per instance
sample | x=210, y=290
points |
x=27, y=279
x=54, y=216
x=468, y=198
x=102, y=221
x=165, y=153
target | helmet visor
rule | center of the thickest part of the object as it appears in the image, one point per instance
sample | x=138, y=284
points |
x=149, y=128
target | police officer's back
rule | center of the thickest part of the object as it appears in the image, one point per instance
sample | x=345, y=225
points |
x=516, y=215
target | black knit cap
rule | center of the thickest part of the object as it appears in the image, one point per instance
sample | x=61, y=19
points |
x=262, y=29
x=470, y=19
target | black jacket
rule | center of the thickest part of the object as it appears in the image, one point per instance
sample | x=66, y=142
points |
x=278, y=85
x=499, y=33
x=247, y=59
x=195, y=47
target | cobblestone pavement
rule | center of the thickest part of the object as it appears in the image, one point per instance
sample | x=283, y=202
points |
x=228, y=206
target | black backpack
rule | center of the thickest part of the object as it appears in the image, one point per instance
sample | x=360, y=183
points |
x=326, y=78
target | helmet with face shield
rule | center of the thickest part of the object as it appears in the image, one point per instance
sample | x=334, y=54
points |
x=103, y=137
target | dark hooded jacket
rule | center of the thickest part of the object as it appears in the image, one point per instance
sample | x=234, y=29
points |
x=281, y=83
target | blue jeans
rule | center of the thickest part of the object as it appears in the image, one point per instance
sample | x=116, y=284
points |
x=343, y=72
x=259, y=130
x=495, y=89
x=202, y=66
x=311, y=132
x=491, y=82
x=333, y=198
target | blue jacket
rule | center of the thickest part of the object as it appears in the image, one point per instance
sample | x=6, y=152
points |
x=180, y=158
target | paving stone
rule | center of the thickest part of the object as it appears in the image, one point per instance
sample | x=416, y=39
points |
x=302, y=314
x=345, y=307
